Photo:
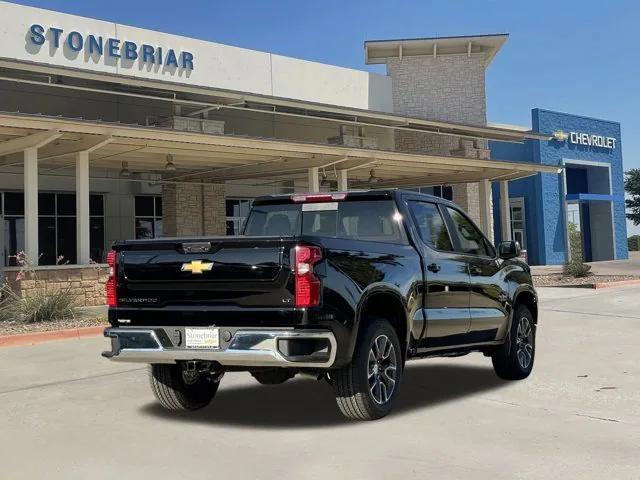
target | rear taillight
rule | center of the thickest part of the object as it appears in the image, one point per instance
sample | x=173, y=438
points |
x=112, y=296
x=307, y=284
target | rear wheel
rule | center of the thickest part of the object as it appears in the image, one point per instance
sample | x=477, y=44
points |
x=367, y=387
x=514, y=359
x=179, y=389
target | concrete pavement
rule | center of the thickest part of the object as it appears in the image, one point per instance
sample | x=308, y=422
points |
x=69, y=414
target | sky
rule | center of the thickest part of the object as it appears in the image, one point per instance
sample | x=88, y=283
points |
x=580, y=57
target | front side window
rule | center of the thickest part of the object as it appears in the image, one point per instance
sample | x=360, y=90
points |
x=431, y=225
x=469, y=238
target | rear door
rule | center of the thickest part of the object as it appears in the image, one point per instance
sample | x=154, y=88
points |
x=446, y=279
x=487, y=295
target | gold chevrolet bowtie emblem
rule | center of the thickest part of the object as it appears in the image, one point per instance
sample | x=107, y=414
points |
x=197, y=267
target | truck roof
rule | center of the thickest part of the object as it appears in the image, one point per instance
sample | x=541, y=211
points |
x=370, y=194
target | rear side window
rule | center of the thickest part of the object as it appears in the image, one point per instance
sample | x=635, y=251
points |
x=376, y=221
x=431, y=225
x=468, y=236
x=273, y=220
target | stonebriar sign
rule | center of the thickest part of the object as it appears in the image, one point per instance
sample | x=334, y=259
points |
x=111, y=48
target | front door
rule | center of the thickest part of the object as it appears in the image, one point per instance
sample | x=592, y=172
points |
x=488, y=298
x=446, y=280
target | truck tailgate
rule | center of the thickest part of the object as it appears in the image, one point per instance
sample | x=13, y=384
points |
x=229, y=272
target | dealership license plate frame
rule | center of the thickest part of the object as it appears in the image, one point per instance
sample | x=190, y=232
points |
x=202, y=338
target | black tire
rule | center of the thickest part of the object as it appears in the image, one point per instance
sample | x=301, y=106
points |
x=514, y=359
x=273, y=376
x=357, y=395
x=174, y=393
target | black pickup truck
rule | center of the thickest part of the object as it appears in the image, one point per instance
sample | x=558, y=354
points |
x=343, y=286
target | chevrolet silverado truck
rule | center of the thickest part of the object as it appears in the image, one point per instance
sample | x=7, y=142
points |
x=343, y=286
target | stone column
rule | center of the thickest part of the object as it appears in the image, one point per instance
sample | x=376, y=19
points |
x=193, y=209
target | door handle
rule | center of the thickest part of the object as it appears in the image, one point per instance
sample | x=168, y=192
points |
x=433, y=267
x=475, y=270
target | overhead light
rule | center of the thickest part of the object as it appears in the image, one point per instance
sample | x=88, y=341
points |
x=124, y=171
x=324, y=182
x=170, y=166
x=372, y=177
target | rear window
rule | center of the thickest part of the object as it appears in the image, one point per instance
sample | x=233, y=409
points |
x=362, y=220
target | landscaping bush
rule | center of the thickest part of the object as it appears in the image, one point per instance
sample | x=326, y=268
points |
x=41, y=304
x=575, y=267
x=634, y=243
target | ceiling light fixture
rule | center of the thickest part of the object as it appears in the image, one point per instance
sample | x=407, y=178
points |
x=124, y=171
x=170, y=166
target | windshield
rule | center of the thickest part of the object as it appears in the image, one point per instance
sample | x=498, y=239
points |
x=363, y=220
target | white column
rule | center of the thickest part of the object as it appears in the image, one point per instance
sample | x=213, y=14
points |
x=82, y=207
x=31, y=205
x=485, y=208
x=505, y=211
x=343, y=184
x=314, y=180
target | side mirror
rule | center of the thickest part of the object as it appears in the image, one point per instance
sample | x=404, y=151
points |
x=509, y=249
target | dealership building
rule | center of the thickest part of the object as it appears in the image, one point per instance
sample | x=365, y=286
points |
x=109, y=132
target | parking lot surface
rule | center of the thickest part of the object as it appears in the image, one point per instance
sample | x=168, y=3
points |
x=67, y=413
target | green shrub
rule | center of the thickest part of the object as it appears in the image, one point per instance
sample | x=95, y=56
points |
x=576, y=269
x=40, y=305
x=634, y=243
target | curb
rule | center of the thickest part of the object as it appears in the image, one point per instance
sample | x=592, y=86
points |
x=41, y=337
x=620, y=283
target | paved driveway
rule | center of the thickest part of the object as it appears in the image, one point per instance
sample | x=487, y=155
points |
x=68, y=414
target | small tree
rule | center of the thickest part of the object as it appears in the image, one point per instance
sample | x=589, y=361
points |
x=632, y=187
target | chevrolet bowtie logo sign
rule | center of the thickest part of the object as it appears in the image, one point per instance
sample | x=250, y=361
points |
x=197, y=267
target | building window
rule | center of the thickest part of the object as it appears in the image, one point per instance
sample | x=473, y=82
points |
x=442, y=191
x=237, y=213
x=148, y=216
x=56, y=227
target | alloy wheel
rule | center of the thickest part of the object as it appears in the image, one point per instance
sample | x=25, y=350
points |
x=524, y=343
x=382, y=369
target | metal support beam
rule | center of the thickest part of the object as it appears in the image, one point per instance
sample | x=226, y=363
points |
x=35, y=140
x=85, y=145
x=31, y=205
x=314, y=180
x=486, y=216
x=505, y=211
x=82, y=208
x=343, y=183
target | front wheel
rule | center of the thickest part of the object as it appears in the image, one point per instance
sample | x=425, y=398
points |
x=514, y=359
x=179, y=389
x=367, y=387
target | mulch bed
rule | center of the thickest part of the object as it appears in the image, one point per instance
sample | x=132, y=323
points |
x=15, y=328
x=559, y=280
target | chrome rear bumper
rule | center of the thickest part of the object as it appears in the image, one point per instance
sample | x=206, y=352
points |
x=247, y=347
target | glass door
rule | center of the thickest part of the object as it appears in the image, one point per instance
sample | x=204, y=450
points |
x=518, y=222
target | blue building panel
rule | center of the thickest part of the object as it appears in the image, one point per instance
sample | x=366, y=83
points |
x=588, y=148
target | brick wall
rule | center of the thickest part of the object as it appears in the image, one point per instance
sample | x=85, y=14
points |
x=86, y=283
x=447, y=88
x=193, y=209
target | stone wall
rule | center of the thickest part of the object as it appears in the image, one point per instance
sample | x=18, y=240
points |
x=193, y=209
x=86, y=283
x=448, y=88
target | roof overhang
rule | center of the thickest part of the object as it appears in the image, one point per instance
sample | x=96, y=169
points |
x=197, y=98
x=379, y=51
x=222, y=158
